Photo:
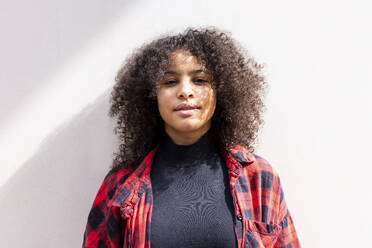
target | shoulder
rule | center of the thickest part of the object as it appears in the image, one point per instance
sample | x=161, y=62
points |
x=260, y=165
x=112, y=181
x=250, y=164
x=261, y=173
x=117, y=176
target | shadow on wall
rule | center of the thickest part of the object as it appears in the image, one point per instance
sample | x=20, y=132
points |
x=41, y=36
x=46, y=203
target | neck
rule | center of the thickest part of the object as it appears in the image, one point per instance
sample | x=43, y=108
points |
x=187, y=155
x=186, y=138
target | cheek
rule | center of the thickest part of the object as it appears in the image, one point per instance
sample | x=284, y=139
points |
x=161, y=97
x=209, y=100
x=160, y=102
x=163, y=102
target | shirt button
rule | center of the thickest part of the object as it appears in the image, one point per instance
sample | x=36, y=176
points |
x=239, y=217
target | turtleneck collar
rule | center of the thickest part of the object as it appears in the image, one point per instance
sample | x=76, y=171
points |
x=203, y=149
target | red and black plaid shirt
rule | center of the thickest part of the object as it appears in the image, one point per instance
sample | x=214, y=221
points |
x=121, y=212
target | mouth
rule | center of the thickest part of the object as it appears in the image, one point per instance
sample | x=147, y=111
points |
x=184, y=113
x=186, y=107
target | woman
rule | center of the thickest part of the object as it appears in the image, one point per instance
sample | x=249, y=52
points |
x=188, y=109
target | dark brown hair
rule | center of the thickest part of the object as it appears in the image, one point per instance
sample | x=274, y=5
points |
x=237, y=79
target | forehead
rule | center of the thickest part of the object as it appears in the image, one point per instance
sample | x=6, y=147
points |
x=182, y=59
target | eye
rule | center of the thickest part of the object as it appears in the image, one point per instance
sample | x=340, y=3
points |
x=170, y=82
x=200, y=80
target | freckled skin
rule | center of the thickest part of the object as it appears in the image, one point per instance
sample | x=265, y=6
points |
x=186, y=81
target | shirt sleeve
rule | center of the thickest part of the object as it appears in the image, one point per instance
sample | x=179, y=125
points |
x=105, y=227
x=287, y=236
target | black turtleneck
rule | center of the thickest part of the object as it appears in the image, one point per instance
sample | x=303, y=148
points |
x=192, y=201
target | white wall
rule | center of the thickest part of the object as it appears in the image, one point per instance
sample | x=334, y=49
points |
x=58, y=60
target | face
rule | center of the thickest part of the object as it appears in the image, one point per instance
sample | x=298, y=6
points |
x=186, y=99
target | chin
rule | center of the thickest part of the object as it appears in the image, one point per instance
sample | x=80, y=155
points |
x=187, y=127
x=190, y=126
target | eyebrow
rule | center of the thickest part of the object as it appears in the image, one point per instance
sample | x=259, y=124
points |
x=190, y=73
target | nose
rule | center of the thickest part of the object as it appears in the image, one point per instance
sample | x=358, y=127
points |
x=186, y=89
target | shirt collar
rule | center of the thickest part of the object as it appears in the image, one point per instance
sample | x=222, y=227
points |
x=241, y=154
x=129, y=192
x=135, y=185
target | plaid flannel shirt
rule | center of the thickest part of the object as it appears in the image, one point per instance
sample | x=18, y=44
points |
x=121, y=212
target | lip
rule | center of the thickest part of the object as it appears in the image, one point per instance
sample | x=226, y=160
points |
x=187, y=112
x=186, y=107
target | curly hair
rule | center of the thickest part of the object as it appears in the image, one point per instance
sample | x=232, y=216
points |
x=237, y=79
